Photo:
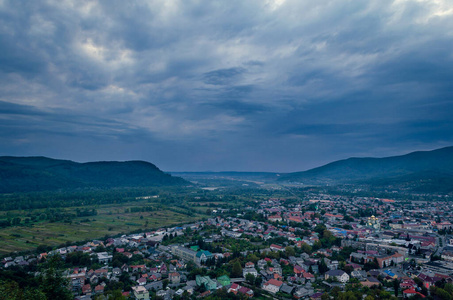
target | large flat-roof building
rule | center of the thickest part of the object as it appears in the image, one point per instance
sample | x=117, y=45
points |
x=185, y=253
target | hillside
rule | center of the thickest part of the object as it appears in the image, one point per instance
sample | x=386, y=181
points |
x=27, y=174
x=422, y=167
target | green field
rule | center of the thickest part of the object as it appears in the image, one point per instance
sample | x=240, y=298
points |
x=111, y=219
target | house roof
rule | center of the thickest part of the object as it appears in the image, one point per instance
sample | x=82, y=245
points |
x=234, y=286
x=286, y=288
x=275, y=282
x=335, y=272
x=412, y=292
x=245, y=290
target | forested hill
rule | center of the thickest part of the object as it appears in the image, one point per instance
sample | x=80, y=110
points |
x=428, y=168
x=27, y=174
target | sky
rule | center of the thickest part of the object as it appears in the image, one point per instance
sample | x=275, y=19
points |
x=231, y=85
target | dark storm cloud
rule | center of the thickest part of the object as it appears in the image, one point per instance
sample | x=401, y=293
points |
x=8, y=108
x=237, y=107
x=255, y=85
x=223, y=76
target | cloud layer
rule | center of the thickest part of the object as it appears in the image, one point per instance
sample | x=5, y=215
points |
x=233, y=85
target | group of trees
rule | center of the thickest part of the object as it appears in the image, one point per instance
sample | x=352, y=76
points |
x=51, y=215
x=442, y=290
x=135, y=209
x=51, y=284
x=73, y=198
x=10, y=222
x=19, y=284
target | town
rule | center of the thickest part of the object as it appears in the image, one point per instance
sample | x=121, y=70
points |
x=325, y=247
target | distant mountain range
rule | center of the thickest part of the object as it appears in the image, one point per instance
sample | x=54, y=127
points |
x=27, y=174
x=422, y=170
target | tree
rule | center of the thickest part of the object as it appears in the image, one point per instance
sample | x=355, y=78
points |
x=449, y=288
x=306, y=248
x=16, y=221
x=250, y=278
x=11, y=291
x=237, y=269
x=165, y=283
x=322, y=267
x=53, y=284
x=290, y=251
x=371, y=265
x=317, y=245
x=396, y=286
x=258, y=281
x=348, y=269
x=440, y=293
x=112, y=295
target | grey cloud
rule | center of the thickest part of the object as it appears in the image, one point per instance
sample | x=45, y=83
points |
x=237, y=107
x=299, y=82
x=223, y=76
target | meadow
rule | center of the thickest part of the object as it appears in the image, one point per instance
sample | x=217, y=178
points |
x=110, y=220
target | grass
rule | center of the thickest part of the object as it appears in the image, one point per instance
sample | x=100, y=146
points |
x=110, y=220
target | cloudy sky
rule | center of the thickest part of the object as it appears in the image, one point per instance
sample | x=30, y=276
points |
x=225, y=85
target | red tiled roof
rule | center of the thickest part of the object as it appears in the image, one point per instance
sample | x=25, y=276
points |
x=413, y=292
x=275, y=282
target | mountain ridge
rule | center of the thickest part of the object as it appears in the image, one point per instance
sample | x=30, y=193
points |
x=421, y=165
x=39, y=173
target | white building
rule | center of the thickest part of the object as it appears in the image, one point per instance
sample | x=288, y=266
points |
x=104, y=257
x=340, y=275
x=140, y=293
x=252, y=271
x=273, y=286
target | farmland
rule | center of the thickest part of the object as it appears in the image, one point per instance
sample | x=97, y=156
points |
x=56, y=226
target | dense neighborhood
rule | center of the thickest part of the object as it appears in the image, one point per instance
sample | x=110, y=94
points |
x=328, y=247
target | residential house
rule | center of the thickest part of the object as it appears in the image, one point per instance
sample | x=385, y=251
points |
x=99, y=289
x=287, y=289
x=272, y=285
x=370, y=281
x=246, y=291
x=140, y=293
x=234, y=288
x=86, y=289
x=412, y=292
x=224, y=280
x=302, y=293
x=174, y=277
x=104, y=257
x=275, y=247
x=155, y=286
x=206, y=281
x=251, y=270
x=340, y=275
x=141, y=281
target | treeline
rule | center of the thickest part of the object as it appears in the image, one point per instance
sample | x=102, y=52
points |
x=85, y=197
x=50, y=284
x=51, y=215
x=135, y=209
